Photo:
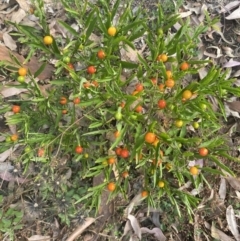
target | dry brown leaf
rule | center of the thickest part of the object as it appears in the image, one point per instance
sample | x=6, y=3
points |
x=232, y=224
x=230, y=112
x=9, y=42
x=10, y=91
x=39, y=238
x=222, y=189
x=136, y=200
x=231, y=63
x=234, y=105
x=18, y=16
x=234, y=182
x=4, y=155
x=219, y=235
x=135, y=225
x=234, y=15
x=185, y=14
x=157, y=232
x=23, y=4
x=230, y=6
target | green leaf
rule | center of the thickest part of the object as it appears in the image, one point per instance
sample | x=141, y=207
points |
x=91, y=26
x=40, y=70
x=69, y=28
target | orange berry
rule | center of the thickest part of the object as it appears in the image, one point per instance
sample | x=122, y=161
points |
x=162, y=57
x=162, y=104
x=111, y=186
x=116, y=134
x=22, y=71
x=125, y=174
x=14, y=137
x=76, y=100
x=122, y=104
x=95, y=83
x=150, y=137
x=203, y=151
x=184, y=66
x=41, y=152
x=124, y=153
x=139, y=109
x=193, y=170
x=169, y=74
x=118, y=151
x=87, y=84
x=101, y=54
x=78, y=149
x=91, y=69
x=154, y=81
x=63, y=100
x=111, y=160
x=187, y=94
x=16, y=109
x=161, y=87
x=144, y=193
x=139, y=87
x=64, y=112
x=169, y=83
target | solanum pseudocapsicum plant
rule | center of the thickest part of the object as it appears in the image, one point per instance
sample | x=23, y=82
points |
x=107, y=105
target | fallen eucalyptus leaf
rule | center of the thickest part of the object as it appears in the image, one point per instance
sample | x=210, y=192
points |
x=157, y=232
x=232, y=224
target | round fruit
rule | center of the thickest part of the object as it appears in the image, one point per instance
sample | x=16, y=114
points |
x=91, y=69
x=118, y=151
x=161, y=87
x=66, y=59
x=125, y=174
x=48, y=40
x=76, y=100
x=16, y=109
x=22, y=71
x=111, y=160
x=162, y=104
x=162, y=57
x=118, y=116
x=124, y=153
x=161, y=184
x=111, y=186
x=70, y=66
x=184, y=66
x=116, y=134
x=101, y=54
x=187, y=94
x=195, y=125
x=63, y=101
x=122, y=104
x=178, y=123
x=14, y=137
x=193, y=170
x=154, y=81
x=139, y=109
x=64, y=112
x=169, y=74
x=27, y=149
x=139, y=87
x=150, y=137
x=78, y=149
x=203, y=151
x=144, y=193
x=41, y=152
x=112, y=31
x=21, y=79
x=203, y=106
x=169, y=83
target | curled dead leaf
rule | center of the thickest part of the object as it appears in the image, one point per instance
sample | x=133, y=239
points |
x=234, y=182
x=157, y=232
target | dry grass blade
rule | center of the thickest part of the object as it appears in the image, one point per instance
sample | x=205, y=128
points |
x=39, y=238
x=80, y=229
